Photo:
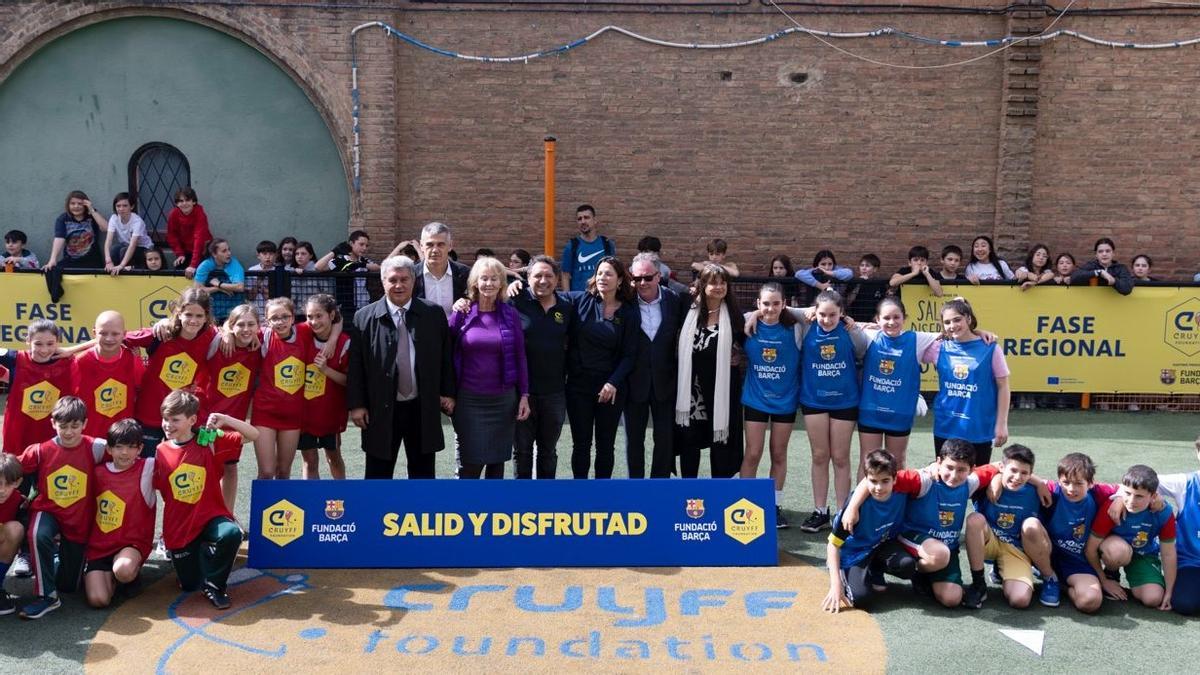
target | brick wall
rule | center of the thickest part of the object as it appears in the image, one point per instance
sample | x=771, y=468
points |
x=1060, y=142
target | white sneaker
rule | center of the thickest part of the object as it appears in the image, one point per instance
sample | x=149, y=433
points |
x=20, y=566
x=160, y=550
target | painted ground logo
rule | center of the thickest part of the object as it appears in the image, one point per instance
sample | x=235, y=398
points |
x=283, y=522
x=745, y=521
x=1181, y=328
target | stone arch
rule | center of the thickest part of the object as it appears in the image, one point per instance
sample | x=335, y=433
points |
x=42, y=23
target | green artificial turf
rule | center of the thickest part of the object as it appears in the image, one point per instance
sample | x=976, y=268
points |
x=919, y=635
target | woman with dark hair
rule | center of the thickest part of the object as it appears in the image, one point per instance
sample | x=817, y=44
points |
x=1036, y=270
x=708, y=395
x=488, y=348
x=985, y=264
x=603, y=345
x=1141, y=266
x=1105, y=269
x=77, y=234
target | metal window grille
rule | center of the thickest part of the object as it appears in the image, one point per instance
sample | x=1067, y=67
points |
x=156, y=171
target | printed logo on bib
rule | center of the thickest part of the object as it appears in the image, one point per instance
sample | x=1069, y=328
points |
x=178, y=371
x=769, y=354
x=66, y=486
x=283, y=522
x=1141, y=539
x=314, y=382
x=961, y=370
x=1077, y=531
x=187, y=483
x=110, y=511
x=887, y=366
x=945, y=518
x=1006, y=520
x=39, y=400
x=111, y=397
x=828, y=352
x=745, y=521
x=289, y=375
x=233, y=380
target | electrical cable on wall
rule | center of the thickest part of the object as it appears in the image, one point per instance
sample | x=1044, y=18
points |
x=823, y=36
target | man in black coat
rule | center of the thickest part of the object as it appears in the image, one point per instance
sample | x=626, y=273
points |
x=439, y=279
x=391, y=399
x=652, y=381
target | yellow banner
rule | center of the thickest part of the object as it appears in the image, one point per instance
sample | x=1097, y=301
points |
x=142, y=300
x=1086, y=339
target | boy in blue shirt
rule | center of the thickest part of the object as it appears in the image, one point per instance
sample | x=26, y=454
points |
x=1184, y=490
x=1143, y=543
x=1076, y=498
x=933, y=517
x=857, y=561
x=1005, y=529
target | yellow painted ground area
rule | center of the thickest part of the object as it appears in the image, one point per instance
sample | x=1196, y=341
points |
x=509, y=620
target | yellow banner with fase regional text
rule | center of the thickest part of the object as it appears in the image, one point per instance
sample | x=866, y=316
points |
x=142, y=300
x=1082, y=339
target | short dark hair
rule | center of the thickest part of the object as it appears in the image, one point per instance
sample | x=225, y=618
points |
x=871, y=259
x=1077, y=464
x=266, y=246
x=718, y=245
x=649, y=243
x=180, y=402
x=958, y=450
x=1105, y=240
x=951, y=248
x=484, y=251
x=547, y=260
x=122, y=196
x=125, y=432
x=881, y=461
x=356, y=235
x=69, y=409
x=585, y=207
x=1140, y=477
x=1020, y=453
x=918, y=251
x=10, y=468
x=16, y=235
x=186, y=193
x=522, y=255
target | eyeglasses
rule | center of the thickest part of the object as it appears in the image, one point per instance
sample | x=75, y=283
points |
x=644, y=279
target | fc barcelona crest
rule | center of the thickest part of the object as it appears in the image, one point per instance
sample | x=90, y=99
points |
x=828, y=352
x=945, y=518
x=887, y=366
x=694, y=508
x=1006, y=520
x=335, y=508
x=768, y=354
x=1077, y=531
x=961, y=370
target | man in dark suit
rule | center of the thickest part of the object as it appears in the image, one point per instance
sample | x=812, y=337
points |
x=652, y=381
x=439, y=279
x=401, y=376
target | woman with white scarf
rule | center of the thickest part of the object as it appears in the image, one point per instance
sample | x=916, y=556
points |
x=708, y=399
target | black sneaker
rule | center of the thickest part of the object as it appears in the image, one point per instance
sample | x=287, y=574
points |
x=973, y=596
x=7, y=606
x=781, y=521
x=216, y=596
x=816, y=522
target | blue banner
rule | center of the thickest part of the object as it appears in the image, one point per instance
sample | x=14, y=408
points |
x=510, y=523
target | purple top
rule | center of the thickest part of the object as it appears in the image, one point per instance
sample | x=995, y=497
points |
x=489, y=351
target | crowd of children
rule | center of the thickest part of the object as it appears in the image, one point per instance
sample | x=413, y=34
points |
x=93, y=431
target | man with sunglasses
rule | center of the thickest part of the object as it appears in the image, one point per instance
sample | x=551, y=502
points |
x=652, y=380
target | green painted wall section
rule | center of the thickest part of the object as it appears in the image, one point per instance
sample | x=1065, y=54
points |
x=262, y=159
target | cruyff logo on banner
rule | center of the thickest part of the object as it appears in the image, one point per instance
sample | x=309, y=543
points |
x=282, y=522
x=745, y=521
x=1181, y=328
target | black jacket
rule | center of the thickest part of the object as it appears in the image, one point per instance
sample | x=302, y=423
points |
x=1123, y=283
x=656, y=361
x=458, y=274
x=371, y=379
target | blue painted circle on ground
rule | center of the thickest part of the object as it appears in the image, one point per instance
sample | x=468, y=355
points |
x=312, y=633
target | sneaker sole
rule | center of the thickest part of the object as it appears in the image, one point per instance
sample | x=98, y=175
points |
x=44, y=612
x=1049, y=604
x=813, y=530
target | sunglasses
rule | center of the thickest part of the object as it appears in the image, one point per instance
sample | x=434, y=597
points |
x=644, y=279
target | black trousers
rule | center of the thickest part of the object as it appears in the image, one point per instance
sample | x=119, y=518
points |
x=637, y=415
x=535, y=439
x=588, y=417
x=406, y=429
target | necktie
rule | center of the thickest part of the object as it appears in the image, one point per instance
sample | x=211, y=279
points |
x=404, y=388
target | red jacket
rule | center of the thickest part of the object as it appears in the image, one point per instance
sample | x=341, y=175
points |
x=189, y=234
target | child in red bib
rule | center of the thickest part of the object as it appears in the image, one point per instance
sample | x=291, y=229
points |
x=107, y=376
x=12, y=532
x=37, y=378
x=123, y=529
x=200, y=533
x=61, y=515
x=234, y=364
x=279, y=398
x=325, y=389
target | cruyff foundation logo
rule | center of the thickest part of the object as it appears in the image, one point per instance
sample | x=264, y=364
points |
x=156, y=305
x=745, y=521
x=1181, y=327
x=282, y=522
x=39, y=399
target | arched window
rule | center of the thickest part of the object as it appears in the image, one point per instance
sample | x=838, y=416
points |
x=156, y=171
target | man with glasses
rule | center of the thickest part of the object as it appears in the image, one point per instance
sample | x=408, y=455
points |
x=652, y=381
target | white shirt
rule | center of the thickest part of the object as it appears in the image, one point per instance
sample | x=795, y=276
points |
x=440, y=291
x=986, y=270
x=651, y=314
x=134, y=231
x=394, y=311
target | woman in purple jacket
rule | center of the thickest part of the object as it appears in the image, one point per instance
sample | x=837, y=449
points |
x=493, y=383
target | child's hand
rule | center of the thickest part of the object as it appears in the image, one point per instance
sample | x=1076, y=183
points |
x=834, y=599
x=319, y=360
x=1113, y=589
x=1116, y=511
x=162, y=330
x=1044, y=495
x=849, y=517
x=1165, y=606
x=216, y=420
x=995, y=488
x=988, y=336
x=752, y=322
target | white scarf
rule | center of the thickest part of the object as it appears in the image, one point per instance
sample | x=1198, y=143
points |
x=683, y=391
